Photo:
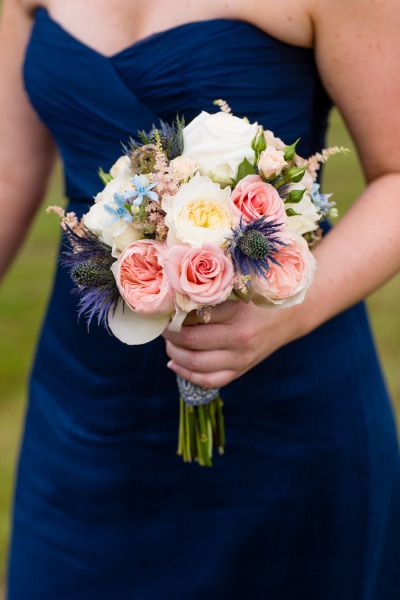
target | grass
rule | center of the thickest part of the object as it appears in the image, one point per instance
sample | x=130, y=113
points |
x=26, y=288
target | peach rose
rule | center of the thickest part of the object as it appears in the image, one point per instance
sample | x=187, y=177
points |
x=286, y=284
x=204, y=274
x=254, y=199
x=141, y=279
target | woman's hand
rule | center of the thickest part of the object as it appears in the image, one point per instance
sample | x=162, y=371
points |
x=238, y=337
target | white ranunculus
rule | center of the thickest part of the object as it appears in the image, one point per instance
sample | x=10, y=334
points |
x=308, y=217
x=118, y=234
x=121, y=166
x=271, y=162
x=219, y=142
x=199, y=213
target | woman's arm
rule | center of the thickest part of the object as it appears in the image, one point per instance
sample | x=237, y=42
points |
x=26, y=150
x=358, y=55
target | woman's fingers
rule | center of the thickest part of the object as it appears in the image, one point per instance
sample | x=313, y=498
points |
x=199, y=337
x=216, y=314
x=202, y=361
x=206, y=380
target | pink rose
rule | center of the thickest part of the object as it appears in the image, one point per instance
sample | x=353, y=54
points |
x=287, y=283
x=141, y=279
x=204, y=273
x=254, y=199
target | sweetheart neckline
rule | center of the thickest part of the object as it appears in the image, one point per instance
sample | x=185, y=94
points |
x=157, y=34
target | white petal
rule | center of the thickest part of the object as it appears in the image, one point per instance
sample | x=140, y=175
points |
x=134, y=329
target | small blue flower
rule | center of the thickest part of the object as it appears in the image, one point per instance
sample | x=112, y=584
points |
x=321, y=201
x=142, y=190
x=120, y=211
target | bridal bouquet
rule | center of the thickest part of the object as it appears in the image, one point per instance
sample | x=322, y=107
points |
x=189, y=217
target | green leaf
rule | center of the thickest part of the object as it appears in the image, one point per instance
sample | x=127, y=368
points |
x=105, y=177
x=291, y=213
x=290, y=151
x=295, y=196
x=245, y=168
x=295, y=174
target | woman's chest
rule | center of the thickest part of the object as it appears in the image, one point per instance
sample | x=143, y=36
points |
x=109, y=27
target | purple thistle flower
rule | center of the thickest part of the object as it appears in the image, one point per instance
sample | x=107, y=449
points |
x=255, y=245
x=89, y=261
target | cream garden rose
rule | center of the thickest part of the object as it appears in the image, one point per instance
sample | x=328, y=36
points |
x=218, y=143
x=199, y=213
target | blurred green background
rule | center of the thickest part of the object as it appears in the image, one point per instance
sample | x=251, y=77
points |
x=25, y=290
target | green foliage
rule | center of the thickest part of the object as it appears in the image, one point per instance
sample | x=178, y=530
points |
x=245, y=168
x=105, y=177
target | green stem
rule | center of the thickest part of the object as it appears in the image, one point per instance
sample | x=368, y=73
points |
x=204, y=444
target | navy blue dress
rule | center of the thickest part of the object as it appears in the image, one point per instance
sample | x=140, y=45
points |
x=305, y=505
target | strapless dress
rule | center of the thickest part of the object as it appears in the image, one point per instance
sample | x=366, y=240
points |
x=305, y=504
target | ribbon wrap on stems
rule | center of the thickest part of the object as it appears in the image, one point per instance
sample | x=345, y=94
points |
x=201, y=423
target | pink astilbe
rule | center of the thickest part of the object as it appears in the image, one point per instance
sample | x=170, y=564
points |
x=156, y=221
x=162, y=174
x=68, y=220
x=223, y=106
x=316, y=160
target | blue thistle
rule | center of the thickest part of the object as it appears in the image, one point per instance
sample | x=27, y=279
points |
x=255, y=245
x=170, y=137
x=89, y=261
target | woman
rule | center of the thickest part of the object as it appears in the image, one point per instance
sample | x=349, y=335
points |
x=306, y=502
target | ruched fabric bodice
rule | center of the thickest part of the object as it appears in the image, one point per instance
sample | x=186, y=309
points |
x=92, y=103
x=305, y=504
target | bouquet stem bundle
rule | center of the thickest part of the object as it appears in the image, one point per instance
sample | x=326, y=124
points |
x=201, y=428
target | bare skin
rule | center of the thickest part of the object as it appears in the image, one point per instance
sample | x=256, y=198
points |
x=357, y=50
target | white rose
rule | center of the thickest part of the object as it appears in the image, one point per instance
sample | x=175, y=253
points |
x=184, y=168
x=219, y=143
x=199, y=213
x=271, y=162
